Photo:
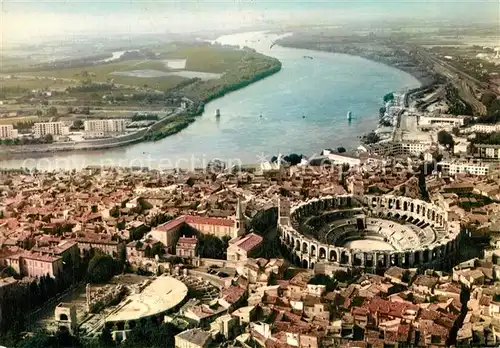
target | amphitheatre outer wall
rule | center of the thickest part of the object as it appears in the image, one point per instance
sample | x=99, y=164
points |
x=430, y=241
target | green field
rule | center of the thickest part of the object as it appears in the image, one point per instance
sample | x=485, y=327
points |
x=12, y=120
x=237, y=66
x=212, y=59
x=34, y=83
x=99, y=72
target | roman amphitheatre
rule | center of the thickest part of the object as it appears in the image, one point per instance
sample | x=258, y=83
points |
x=370, y=232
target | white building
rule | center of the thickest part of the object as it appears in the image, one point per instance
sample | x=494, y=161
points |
x=488, y=152
x=483, y=128
x=341, y=159
x=101, y=128
x=441, y=119
x=464, y=168
x=461, y=146
x=53, y=128
x=7, y=131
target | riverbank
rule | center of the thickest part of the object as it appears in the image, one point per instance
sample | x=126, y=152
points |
x=322, y=90
x=377, y=50
x=161, y=129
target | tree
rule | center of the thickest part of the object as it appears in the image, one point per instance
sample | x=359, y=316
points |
x=382, y=111
x=322, y=279
x=157, y=249
x=114, y=212
x=445, y=138
x=456, y=131
x=371, y=138
x=106, y=339
x=78, y=124
x=52, y=111
x=48, y=139
x=211, y=247
x=263, y=220
x=488, y=98
x=120, y=225
x=388, y=97
x=147, y=251
x=101, y=268
x=293, y=159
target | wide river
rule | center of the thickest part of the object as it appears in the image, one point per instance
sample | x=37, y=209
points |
x=303, y=109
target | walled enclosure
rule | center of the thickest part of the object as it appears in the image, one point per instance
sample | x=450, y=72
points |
x=417, y=233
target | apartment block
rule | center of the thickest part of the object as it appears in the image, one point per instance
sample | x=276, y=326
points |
x=52, y=128
x=101, y=128
x=7, y=131
x=452, y=168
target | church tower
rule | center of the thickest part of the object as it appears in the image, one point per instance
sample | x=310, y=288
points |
x=239, y=221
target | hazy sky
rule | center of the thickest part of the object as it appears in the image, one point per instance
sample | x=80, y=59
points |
x=38, y=19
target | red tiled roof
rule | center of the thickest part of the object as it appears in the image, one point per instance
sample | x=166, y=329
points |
x=232, y=294
x=167, y=226
x=395, y=309
x=40, y=257
x=249, y=242
x=195, y=220
x=188, y=240
x=200, y=220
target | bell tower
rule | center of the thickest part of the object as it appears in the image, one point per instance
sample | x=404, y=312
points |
x=239, y=221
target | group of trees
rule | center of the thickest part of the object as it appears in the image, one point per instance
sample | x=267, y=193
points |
x=102, y=268
x=145, y=117
x=144, y=335
x=388, y=97
x=293, y=159
x=456, y=105
x=173, y=127
x=24, y=126
x=492, y=103
x=89, y=86
x=487, y=138
x=159, y=219
x=212, y=247
x=371, y=138
x=264, y=220
x=445, y=139
x=17, y=302
x=323, y=279
x=47, y=139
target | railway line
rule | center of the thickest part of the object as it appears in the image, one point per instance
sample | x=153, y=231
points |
x=461, y=80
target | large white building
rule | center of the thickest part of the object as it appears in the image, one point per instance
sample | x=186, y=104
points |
x=408, y=147
x=101, y=128
x=441, y=120
x=483, y=128
x=452, y=168
x=7, y=131
x=487, y=152
x=52, y=128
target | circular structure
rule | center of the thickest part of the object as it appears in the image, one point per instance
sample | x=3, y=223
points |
x=161, y=296
x=374, y=232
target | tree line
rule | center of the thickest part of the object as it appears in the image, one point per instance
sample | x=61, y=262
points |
x=47, y=139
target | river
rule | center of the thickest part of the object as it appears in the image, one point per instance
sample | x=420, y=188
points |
x=303, y=109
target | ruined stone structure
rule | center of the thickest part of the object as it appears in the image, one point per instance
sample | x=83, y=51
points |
x=65, y=317
x=371, y=232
